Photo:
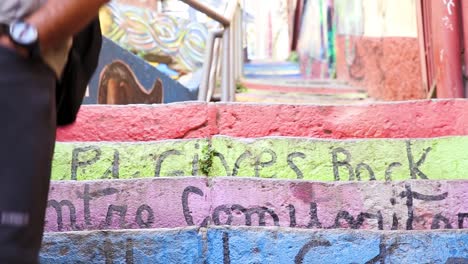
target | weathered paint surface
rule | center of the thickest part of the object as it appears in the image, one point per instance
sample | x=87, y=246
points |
x=197, y=201
x=412, y=119
x=255, y=245
x=121, y=204
x=278, y=246
x=387, y=67
x=87, y=161
x=140, y=123
x=126, y=247
x=345, y=160
x=289, y=158
x=418, y=119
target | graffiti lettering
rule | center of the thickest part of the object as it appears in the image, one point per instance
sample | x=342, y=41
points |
x=414, y=167
x=461, y=219
x=76, y=162
x=340, y=165
x=58, y=206
x=356, y=224
x=65, y=215
x=226, y=250
x=161, y=159
x=111, y=250
x=410, y=196
x=262, y=164
x=149, y=218
x=450, y=5
x=384, y=252
x=293, y=166
x=299, y=259
x=185, y=195
x=120, y=210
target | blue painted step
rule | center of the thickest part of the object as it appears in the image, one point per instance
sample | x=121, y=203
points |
x=255, y=245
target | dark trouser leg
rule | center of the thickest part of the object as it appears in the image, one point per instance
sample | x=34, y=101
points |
x=27, y=137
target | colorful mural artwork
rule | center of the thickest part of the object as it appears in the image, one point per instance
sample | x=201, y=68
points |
x=123, y=78
x=119, y=85
x=157, y=37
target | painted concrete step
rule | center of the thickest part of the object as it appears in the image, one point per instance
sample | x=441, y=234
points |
x=114, y=160
x=274, y=157
x=321, y=97
x=301, y=86
x=413, y=119
x=200, y=201
x=255, y=245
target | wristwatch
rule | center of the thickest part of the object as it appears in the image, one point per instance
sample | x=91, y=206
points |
x=23, y=35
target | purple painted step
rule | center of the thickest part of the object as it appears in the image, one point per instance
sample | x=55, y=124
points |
x=181, y=202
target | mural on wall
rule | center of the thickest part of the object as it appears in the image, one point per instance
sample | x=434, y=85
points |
x=157, y=37
x=123, y=78
x=316, y=45
x=378, y=47
x=119, y=85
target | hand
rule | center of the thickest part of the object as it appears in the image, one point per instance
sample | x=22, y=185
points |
x=6, y=42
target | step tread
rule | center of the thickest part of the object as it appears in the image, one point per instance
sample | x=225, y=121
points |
x=421, y=119
x=271, y=157
x=266, y=245
x=186, y=201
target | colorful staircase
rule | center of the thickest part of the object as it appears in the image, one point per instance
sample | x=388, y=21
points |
x=261, y=183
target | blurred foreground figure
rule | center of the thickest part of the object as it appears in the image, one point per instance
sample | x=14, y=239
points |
x=41, y=82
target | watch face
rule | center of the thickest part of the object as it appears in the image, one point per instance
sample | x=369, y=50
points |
x=23, y=33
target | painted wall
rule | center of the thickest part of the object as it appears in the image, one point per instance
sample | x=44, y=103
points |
x=377, y=47
x=316, y=44
x=158, y=37
x=201, y=201
x=280, y=158
x=267, y=29
x=414, y=119
x=254, y=245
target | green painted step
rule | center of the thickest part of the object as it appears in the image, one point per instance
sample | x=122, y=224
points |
x=273, y=157
x=107, y=160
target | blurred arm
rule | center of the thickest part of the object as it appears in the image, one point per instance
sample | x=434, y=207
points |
x=58, y=20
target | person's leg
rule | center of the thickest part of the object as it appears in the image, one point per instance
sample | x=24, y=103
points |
x=27, y=137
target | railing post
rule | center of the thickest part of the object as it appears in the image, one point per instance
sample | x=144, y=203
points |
x=232, y=59
x=208, y=64
x=225, y=67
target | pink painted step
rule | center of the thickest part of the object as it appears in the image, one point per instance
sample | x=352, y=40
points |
x=410, y=119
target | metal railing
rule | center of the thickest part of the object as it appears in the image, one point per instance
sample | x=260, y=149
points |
x=224, y=51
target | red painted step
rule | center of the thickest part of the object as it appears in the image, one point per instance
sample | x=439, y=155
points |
x=410, y=119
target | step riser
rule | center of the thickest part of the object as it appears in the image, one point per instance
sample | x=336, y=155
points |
x=248, y=245
x=391, y=120
x=180, y=202
x=310, y=159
